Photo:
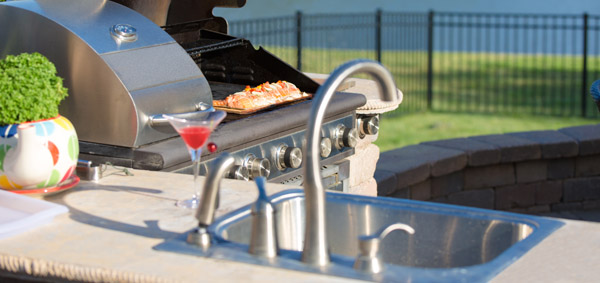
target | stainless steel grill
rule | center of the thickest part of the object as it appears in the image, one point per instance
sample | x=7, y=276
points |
x=125, y=65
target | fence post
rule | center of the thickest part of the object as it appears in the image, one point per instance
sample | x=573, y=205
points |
x=584, y=86
x=299, y=40
x=378, y=15
x=430, y=61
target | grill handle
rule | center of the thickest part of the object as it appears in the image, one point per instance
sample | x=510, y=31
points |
x=157, y=121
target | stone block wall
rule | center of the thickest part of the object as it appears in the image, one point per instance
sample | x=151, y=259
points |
x=527, y=172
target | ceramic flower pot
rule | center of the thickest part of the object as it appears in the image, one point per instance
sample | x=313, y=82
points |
x=37, y=154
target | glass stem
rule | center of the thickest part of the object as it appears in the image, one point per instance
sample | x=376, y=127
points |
x=196, y=153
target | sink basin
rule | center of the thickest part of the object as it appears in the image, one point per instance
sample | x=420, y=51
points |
x=450, y=243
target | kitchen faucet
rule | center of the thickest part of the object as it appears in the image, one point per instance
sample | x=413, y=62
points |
x=316, y=251
x=209, y=201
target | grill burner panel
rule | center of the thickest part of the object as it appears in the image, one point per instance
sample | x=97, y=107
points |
x=268, y=150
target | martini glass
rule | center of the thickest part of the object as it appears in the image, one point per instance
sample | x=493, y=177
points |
x=195, y=130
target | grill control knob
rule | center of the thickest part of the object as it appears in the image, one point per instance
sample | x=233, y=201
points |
x=368, y=125
x=257, y=167
x=345, y=137
x=325, y=147
x=239, y=173
x=288, y=157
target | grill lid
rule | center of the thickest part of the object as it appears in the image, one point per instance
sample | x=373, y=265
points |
x=114, y=85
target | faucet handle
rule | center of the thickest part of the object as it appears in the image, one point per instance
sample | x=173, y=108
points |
x=369, y=259
x=263, y=238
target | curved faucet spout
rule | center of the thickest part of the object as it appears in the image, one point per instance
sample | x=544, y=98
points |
x=316, y=251
x=210, y=194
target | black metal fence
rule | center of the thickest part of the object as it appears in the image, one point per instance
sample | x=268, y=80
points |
x=501, y=63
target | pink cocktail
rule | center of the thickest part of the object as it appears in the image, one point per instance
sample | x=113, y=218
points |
x=195, y=136
x=195, y=131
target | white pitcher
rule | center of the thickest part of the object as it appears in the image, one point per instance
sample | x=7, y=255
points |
x=30, y=162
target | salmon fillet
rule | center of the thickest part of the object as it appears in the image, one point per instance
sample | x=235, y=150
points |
x=262, y=95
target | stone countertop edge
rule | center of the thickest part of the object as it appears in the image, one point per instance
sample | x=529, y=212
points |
x=113, y=224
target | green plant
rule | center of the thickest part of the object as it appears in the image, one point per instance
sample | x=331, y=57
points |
x=29, y=89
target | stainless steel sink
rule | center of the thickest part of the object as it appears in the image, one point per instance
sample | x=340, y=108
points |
x=450, y=243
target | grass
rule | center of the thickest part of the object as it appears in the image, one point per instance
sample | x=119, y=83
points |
x=546, y=89
x=474, y=81
x=407, y=129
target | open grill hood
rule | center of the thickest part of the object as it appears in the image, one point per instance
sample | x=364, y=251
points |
x=114, y=86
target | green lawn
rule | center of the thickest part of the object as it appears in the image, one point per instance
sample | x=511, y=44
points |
x=491, y=84
x=474, y=81
x=407, y=129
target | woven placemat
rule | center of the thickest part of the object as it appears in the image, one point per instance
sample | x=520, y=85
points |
x=22, y=267
x=374, y=104
x=369, y=89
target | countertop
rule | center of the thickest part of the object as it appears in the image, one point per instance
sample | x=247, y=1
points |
x=112, y=225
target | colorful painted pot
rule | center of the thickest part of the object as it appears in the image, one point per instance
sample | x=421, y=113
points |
x=59, y=138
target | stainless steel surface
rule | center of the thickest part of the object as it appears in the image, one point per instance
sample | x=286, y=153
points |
x=113, y=85
x=368, y=125
x=257, y=167
x=238, y=172
x=451, y=243
x=87, y=171
x=350, y=137
x=263, y=238
x=369, y=258
x=209, y=199
x=288, y=157
x=158, y=121
x=199, y=237
x=325, y=147
x=315, y=250
x=445, y=237
x=267, y=148
x=209, y=202
x=293, y=157
x=335, y=177
x=345, y=137
x=124, y=32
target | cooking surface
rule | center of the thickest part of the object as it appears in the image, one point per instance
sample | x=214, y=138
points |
x=221, y=90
